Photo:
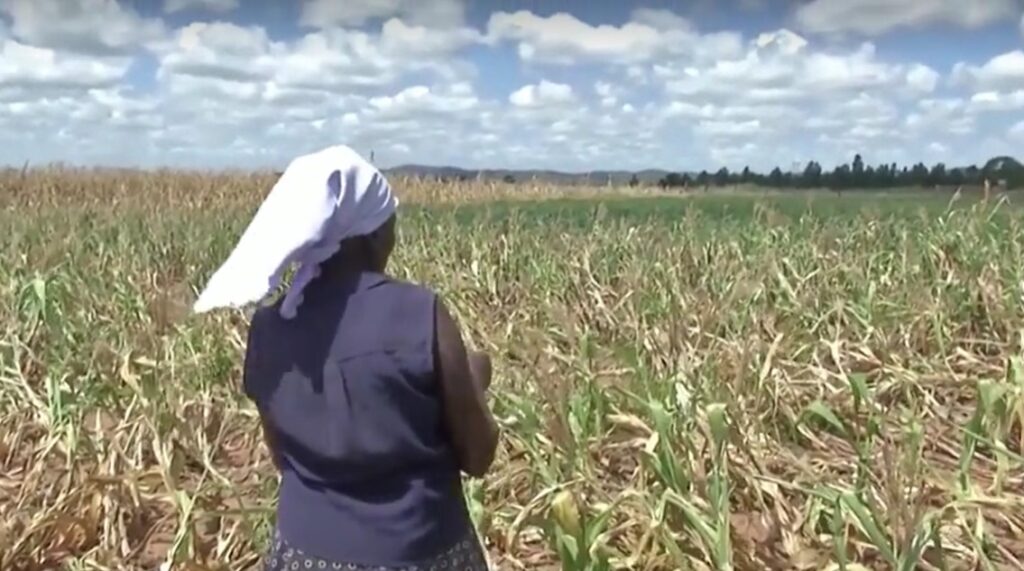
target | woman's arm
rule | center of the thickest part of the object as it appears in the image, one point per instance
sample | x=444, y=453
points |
x=480, y=367
x=471, y=426
x=270, y=441
x=251, y=371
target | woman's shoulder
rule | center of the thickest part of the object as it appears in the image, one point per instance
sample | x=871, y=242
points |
x=377, y=290
x=409, y=286
x=266, y=316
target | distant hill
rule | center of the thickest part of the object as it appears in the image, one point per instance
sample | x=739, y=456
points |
x=999, y=166
x=1002, y=171
x=548, y=176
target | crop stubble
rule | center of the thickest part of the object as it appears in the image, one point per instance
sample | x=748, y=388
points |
x=780, y=389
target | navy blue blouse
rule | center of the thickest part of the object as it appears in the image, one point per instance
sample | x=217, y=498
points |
x=349, y=390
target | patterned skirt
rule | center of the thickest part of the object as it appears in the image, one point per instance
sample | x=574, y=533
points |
x=466, y=555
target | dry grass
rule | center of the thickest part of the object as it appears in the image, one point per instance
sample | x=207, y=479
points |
x=776, y=392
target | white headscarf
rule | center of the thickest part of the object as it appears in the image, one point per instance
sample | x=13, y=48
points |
x=321, y=199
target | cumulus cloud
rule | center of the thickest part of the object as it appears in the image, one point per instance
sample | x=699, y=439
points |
x=922, y=78
x=741, y=153
x=420, y=99
x=228, y=92
x=940, y=116
x=326, y=60
x=97, y=125
x=1016, y=132
x=730, y=128
x=352, y=13
x=715, y=115
x=985, y=101
x=217, y=6
x=96, y=27
x=415, y=40
x=611, y=94
x=542, y=94
x=221, y=50
x=780, y=66
x=564, y=39
x=876, y=17
x=23, y=66
x=1002, y=71
x=787, y=98
x=392, y=76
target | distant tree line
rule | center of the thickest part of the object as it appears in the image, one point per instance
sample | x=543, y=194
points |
x=1003, y=172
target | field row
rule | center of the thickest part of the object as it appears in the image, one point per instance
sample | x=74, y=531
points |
x=710, y=383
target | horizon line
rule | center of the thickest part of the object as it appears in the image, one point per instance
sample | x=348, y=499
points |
x=68, y=165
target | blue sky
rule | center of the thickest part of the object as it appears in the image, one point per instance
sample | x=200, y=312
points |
x=571, y=85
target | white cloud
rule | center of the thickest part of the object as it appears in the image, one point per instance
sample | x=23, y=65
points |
x=564, y=39
x=655, y=92
x=658, y=19
x=350, y=119
x=736, y=154
x=217, y=6
x=542, y=94
x=1016, y=132
x=922, y=78
x=610, y=94
x=984, y=101
x=96, y=125
x=419, y=100
x=98, y=27
x=327, y=60
x=787, y=98
x=729, y=128
x=729, y=111
x=352, y=13
x=783, y=42
x=1002, y=71
x=23, y=66
x=822, y=123
x=857, y=70
x=413, y=40
x=780, y=66
x=243, y=94
x=876, y=17
x=222, y=51
x=946, y=116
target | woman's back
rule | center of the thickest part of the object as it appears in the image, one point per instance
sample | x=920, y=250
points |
x=348, y=387
x=371, y=404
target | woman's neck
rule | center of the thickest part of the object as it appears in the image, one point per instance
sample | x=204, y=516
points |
x=352, y=257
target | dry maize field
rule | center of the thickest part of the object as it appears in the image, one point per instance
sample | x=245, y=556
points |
x=704, y=382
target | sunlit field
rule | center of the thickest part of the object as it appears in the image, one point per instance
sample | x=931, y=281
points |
x=709, y=381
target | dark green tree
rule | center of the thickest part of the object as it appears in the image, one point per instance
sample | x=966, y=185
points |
x=918, y=175
x=937, y=176
x=812, y=175
x=671, y=180
x=722, y=177
x=857, y=178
